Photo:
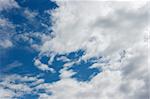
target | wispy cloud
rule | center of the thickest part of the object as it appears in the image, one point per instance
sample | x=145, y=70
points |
x=11, y=66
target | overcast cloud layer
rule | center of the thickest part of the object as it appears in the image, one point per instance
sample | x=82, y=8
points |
x=116, y=31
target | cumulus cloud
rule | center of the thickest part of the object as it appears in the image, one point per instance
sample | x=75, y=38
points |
x=104, y=30
x=114, y=30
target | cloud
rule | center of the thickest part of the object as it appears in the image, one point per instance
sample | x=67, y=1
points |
x=16, y=86
x=99, y=29
x=41, y=66
x=6, y=43
x=6, y=31
x=6, y=94
x=11, y=66
x=11, y=89
x=114, y=30
x=66, y=73
x=8, y=4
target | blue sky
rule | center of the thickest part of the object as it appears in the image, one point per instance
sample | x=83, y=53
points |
x=73, y=49
x=22, y=52
x=19, y=59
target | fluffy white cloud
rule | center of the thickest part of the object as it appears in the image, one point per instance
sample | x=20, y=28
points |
x=118, y=31
x=80, y=25
x=107, y=85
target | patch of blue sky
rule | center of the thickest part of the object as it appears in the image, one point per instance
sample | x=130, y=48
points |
x=44, y=59
x=15, y=15
x=23, y=24
x=28, y=96
x=18, y=17
x=82, y=70
x=26, y=58
x=37, y=5
x=75, y=55
x=22, y=54
x=57, y=65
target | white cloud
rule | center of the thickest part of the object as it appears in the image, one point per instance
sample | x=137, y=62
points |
x=30, y=15
x=11, y=89
x=41, y=66
x=107, y=85
x=6, y=31
x=6, y=94
x=8, y=4
x=14, y=86
x=6, y=43
x=66, y=73
x=104, y=30
x=114, y=30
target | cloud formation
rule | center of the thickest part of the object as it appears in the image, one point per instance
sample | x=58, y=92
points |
x=115, y=31
x=6, y=31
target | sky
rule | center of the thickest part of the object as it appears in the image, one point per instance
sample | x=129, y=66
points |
x=74, y=49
